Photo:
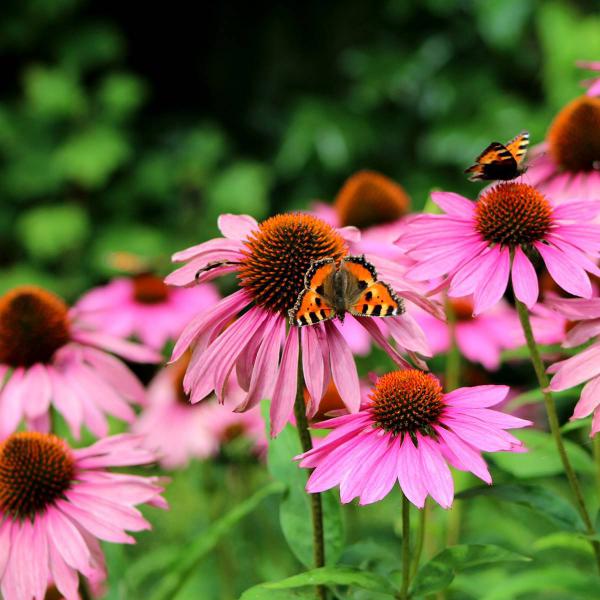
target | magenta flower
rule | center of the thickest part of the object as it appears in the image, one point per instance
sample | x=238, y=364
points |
x=567, y=164
x=144, y=307
x=271, y=260
x=57, y=503
x=49, y=356
x=585, y=366
x=472, y=243
x=179, y=431
x=593, y=84
x=480, y=339
x=408, y=431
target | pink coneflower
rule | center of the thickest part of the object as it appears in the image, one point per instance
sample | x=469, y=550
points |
x=567, y=164
x=480, y=339
x=48, y=356
x=584, y=366
x=593, y=84
x=179, y=431
x=472, y=243
x=271, y=260
x=408, y=431
x=56, y=503
x=144, y=307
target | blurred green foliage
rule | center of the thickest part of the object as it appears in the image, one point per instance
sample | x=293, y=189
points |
x=125, y=128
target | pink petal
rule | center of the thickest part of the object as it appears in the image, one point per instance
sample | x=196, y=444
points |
x=408, y=334
x=65, y=578
x=468, y=276
x=11, y=407
x=343, y=368
x=569, y=276
x=313, y=367
x=125, y=349
x=589, y=400
x=410, y=474
x=524, y=279
x=490, y=290
x=436, y=474
x=72, y=547
x=469, y=458
x=236, y=227
x=286, y=386
x=371, y=326
x=215, y=249
x=577, y=369
x=383, y=476
x=454, y=204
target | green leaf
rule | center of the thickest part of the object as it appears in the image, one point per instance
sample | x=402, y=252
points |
x=542, y=459
x=295, y=510
x=121, y=94
x=439, y=572
x=53, y=93
x=181, y=569
x=90, y=157
x=345, y=576
x=48, y=232
x=542, y=501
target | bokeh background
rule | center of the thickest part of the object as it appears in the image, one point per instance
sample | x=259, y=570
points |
x=128, y=127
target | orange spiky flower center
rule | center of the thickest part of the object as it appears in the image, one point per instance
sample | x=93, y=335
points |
x=34, y=324
x=574, y=136
x=513, y=214
x=149, y=289
x=369, y=198
x=279, y=253
x=36, y=469
x=408, y=401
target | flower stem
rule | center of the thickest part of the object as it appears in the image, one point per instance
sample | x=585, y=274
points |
x=452, y=372
x=405, y=548
x=544, y=382
x=316, y=503
x=420, y=540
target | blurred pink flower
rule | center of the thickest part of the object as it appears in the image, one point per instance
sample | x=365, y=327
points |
x=593, y=84
x=57, y=503
x=49, y=356
x=408, y=431
x=584, y=366
x=472, y=243
x=271, y=260
x=566, y=165
x=480, y=339
x=144, y=307
x=179, y=431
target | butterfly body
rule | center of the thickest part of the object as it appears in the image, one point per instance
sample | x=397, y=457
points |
x=332, y=290
x=501, y=161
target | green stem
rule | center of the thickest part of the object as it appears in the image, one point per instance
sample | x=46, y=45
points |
x=452, y=373
x=316, y=503
x=420, y=541
x=405, y=548
x=544, y=383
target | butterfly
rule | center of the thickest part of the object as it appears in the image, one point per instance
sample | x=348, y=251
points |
x=500, y=161
x=331, y=290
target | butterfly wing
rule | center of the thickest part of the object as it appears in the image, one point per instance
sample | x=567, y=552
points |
x=495, y=162
x=518, y=146
x=312, y=305
x=369, y=297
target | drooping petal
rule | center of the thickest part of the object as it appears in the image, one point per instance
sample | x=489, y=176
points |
x=524, y=279
x=569, y=276
x=589, y=400
x=284, y=395
x=236, y=227
x=410, y=475
x=454, y=204
x=436, y=474
x=491, y=288
x=343, y=368
x=577, y=369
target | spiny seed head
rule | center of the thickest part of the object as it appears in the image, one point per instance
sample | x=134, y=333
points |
x=574, y=136
x=149, y=289
x=513, y=214
x=279, y=253
x=36, y=469
x=34, y=324
x=369, y=198
x=407, y=402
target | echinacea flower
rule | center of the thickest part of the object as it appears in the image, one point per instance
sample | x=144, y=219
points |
x=179, y=431
x=479, y=245
x=480, y=339
x=409, y=431
x=567, y=165
x=48, y=356
x=271, y=260
x=584, y=366
x=56, y=503
x=144, y=307
x=593, y=85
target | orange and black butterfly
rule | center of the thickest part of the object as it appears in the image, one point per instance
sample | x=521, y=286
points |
x=499, y=161
x=331, y=291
